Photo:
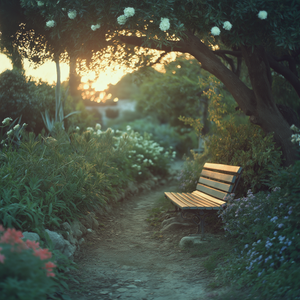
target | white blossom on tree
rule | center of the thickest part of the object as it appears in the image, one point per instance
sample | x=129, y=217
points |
x=164, y=24
x=72, y=14
x=262, y=14
x=227, y=25
x=129, y=12
x=215, y=30
x=50, y=23
x=122, y=19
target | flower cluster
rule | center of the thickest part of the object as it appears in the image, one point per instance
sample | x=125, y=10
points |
x=72, y=13
x=164, y=24
x=262, y=14
x=216, y=31
x=13, y=133
x=95, y=27
x=295, y=138
x=128, y=12
x=11, y=240
x=50, y=23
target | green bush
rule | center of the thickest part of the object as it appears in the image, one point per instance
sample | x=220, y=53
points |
x=266, y=226
x=164, y=134
x=50, y=180
x=247, y=146
x=22, y=96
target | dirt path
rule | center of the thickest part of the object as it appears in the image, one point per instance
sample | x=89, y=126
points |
x=125, y=260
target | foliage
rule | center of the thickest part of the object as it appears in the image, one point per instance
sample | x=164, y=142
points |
x=56, y=179
x=173, y=93
x=189, y=175
x=164, y=134
x=26, y=271
x=266, y=226
x=247, y=146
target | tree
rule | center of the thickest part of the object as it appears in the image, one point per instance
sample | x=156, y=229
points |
x=221, y=35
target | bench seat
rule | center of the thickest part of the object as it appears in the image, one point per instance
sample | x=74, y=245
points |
x=216, y=182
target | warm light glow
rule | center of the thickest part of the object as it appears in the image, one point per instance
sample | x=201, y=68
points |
x=116, y=99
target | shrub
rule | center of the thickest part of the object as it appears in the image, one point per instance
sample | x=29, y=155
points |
x=267, y=228
x=247, y=146
x=50, y=180
x=26, y=270
x=22, y=96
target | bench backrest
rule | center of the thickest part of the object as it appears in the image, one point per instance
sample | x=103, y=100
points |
x=219, y=180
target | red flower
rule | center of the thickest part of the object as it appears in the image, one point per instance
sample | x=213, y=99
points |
x=42, y=253
x=12, y=236
x=32, y=244
x=49, y=266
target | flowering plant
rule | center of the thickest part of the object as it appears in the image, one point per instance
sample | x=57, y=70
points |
x=164, y=24
x=25, y=269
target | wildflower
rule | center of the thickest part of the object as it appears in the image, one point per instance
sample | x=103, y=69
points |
x=274, y=219
x=32, y=244
x=98, y=126
x=122, y=19
x=280, y=225
x=95, y=27
x=258, y=241
x=24, y=125
x=49, y=267
x=77, y=128
x=275, y=232
x=16, y=127
x=227, y=25
x=262, y=14
x=128, y=128
x=164, y=24
x=215, y=31
x=42, y=253
x=286, y=217
x=140, y=173
x=99, y=132
x=72, y=14
x=50, y=23
x=268, y=244
x=290, y=211
x=40, y=3
x=6, y=121
x=90, y=129
x=12, y=236
x=129, y=12
x=246, y=246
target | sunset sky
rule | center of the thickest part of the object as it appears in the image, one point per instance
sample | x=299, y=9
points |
x=47, y=72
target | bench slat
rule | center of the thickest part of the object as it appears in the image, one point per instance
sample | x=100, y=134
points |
x=219, y=176
x=210, y=204
x=215, y=200
x=178, y=201
x=216, y=184
x=191, y=204
x=211, y=191
x=197, y=202
x=221, y=167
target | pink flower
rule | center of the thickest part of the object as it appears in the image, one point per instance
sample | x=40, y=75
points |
x=42, y=253
x=12, y=236
x=32, y=244
x=1, y=256
x=49, y=266
x=1, y=228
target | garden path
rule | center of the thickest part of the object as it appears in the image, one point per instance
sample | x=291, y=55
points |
x=129, y=259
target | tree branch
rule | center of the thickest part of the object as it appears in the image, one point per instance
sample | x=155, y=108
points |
x=285, y=72
x=233, y=53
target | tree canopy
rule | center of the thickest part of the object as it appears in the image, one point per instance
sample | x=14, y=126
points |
x=221, y=35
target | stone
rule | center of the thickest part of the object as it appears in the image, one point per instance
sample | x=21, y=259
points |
x=82, y=228
x=66, y=226
x=72, y=239
x=132, y=188
x=32, y=236
x=191, y=241
x=59, y=243
x=175, y=226
x=69, y=249
x=75, y=227
x=82, y=240
x=122, y=290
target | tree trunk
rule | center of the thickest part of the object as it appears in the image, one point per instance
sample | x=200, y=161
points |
x=74, y=79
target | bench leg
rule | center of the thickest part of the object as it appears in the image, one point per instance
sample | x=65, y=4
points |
x=200, y=215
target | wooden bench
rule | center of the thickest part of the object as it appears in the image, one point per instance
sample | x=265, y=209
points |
x=215, y=183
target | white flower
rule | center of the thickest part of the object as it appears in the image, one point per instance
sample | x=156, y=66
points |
x=6, y=121
x=99, y=132
x=128, y=128
x=129, y=12
x=40, y=3
x=63, y=9
x=294, y=127
x=122, y=19
x=72, y=14
x=98, y=126
x=9, y=132
x=16, y=126
x=227, y=25
x=215, y=31
x=95, y=27
x=77, y=128
x=140, y=173
x=262, y=14
x=164, y=24
x=90, y=129
x=24, y=125
x=50, y=23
